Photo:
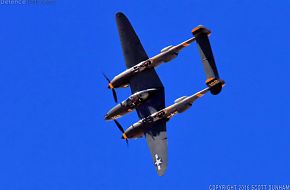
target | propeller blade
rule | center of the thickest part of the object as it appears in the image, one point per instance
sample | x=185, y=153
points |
x=115, y=95
x=119, y=126
x=113, y=90
x=122, y=130
x=106, y=78
x=127, y=142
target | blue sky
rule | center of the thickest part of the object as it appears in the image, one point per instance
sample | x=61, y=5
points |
x=53, y=96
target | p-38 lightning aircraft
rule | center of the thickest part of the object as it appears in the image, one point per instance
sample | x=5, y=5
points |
x=148, y=91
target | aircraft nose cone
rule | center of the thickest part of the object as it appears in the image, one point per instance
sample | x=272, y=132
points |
x=107, y=117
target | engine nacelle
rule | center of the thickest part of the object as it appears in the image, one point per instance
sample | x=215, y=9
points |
x=166, y=48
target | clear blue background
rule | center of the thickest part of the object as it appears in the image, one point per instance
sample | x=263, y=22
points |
x=53, y=96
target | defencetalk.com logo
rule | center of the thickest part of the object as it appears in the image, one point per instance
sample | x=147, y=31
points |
x=27, y=2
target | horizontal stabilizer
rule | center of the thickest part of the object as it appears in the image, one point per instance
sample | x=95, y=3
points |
x=201, y=34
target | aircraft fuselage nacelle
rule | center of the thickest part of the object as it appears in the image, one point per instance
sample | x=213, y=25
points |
x=130, y=103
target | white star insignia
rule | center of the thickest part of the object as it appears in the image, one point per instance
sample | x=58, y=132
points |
x=158, y=162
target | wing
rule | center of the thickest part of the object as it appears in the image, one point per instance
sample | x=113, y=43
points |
x=134, y=53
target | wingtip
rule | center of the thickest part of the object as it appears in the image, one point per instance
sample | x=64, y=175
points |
x=120, y=14
x=161, y=172
x=122, y=21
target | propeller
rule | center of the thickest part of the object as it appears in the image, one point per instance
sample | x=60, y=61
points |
x=122, y=130
x=113, y=89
